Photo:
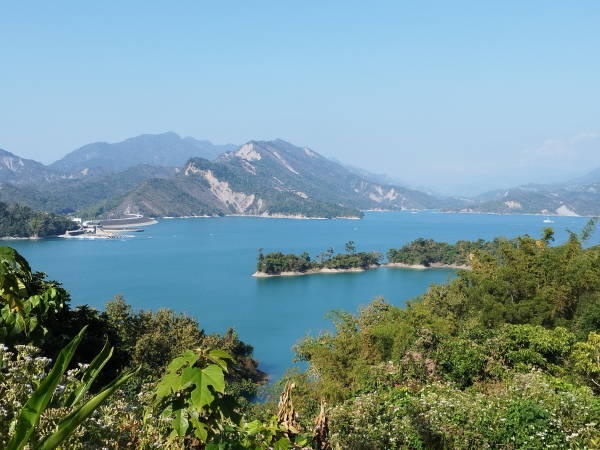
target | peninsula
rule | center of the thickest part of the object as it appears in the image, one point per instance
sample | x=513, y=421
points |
x=21, y=222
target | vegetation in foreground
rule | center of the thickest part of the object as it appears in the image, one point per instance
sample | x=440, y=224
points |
x=505, y=355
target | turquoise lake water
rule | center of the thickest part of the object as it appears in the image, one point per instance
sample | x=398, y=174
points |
x=204, y=265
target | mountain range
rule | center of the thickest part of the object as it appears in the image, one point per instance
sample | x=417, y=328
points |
x=269, y=178
x=580, y=196
x=165, y=175
x=167, y=149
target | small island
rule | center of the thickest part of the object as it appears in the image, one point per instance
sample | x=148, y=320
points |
x=418, y=254
x=278, y=264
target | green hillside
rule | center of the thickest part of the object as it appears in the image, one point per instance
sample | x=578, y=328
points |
x=72, y=195
x=21, y=221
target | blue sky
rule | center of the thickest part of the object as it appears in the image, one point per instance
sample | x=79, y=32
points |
x=437, y=93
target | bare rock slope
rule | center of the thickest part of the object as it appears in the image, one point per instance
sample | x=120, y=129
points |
x=269, y=178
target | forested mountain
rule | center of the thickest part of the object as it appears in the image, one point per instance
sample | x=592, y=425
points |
x=157, y=197
x=271, y=178
x=74, y=194
x=278, y=177
x=302, y=171
x=167, y=149
x=208, y=188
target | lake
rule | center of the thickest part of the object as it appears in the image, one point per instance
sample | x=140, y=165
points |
x=204, y=265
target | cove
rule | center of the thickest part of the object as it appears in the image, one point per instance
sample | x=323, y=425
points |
x=204, y=265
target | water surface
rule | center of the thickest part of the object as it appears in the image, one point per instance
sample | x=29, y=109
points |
x=204, y=266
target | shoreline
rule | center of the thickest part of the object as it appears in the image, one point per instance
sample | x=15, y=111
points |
x=310, y=272
x=510, y=214
x=31, y=238
x=262, y=216
x=431, y=266
x=360, y=269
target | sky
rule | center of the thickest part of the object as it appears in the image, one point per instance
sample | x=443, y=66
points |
x=459, y=96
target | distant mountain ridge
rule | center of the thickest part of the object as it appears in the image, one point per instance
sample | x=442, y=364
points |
x=17, y=170
x=590, y=177
x=579, y=196
x=268, y=178
x=381, y=178
x=385, y=179
x=167, y=149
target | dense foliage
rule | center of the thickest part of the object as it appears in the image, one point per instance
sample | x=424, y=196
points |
x=45, y=409
x=275, y=263
x=93, y=191
x=505, y=355
x=427, y=251
x=21, y=221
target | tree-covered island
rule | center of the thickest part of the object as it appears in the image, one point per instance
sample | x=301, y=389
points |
x=278, y=263
x=427, y=252
x=418, y=253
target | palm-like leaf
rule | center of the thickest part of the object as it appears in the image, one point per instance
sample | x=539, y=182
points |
x=77, y=417
x=30, y=413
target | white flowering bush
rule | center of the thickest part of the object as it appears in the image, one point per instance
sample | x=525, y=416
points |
x=530, y=411
x=114, y=424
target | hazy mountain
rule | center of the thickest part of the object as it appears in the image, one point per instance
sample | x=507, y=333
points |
x=167, y=149
x=271, y=178
x=209, y=150
x=17, y=170
x=580, y=196
x=590, y=177
x=73, y=194
x=382, y=178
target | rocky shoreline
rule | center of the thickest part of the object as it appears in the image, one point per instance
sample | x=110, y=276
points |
x=309, y=272
x=359, y=269
x=431, y=266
